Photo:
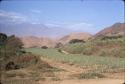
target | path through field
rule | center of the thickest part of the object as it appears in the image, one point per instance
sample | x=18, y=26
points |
x=66, y=75
x=68, y=67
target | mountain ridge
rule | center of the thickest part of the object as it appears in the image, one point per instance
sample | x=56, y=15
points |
x=114, y=30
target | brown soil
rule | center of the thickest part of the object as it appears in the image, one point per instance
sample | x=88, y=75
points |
x=90, y=81
x=69, y=70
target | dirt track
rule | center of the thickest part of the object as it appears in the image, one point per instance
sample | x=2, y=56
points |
x=75, y=70
x=90, y=81
x=93, y=81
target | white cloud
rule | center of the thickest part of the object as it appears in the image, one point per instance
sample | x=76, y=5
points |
x=6, y=16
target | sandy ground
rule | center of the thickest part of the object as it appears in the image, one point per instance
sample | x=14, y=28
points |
x=90, y=81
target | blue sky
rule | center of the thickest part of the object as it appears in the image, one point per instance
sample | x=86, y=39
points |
x=80, y=15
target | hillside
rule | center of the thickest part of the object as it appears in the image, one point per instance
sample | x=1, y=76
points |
x=33, y=41
x=114, y=30
x=80, y=36
x=111, y=43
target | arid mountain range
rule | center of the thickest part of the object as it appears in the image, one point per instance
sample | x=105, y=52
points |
x=116, y=29
x=32, y=41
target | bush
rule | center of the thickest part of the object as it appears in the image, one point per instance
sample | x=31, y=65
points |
x=26, y=60
x=58, y=45
x=76, y=41
x=44, y=47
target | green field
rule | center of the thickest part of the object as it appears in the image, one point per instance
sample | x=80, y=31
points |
x=102, y=64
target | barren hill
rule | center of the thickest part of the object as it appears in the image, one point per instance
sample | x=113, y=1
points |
x=33, y=41
x=116, y=29
x=80, y=36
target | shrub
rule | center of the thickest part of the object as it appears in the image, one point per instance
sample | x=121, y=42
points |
x=10, y=66
x=76, y=41
x=44, y=47
x=58, y=45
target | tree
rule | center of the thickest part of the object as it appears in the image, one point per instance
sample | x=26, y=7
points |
x=10, y=46
x=14, y=45
x=76, y=41
x=3, y=39
x=44, y=47
x=58, y=45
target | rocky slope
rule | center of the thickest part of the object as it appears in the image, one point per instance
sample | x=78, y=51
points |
x=114, y=30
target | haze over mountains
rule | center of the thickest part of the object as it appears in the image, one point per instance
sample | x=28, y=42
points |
x=29, y=29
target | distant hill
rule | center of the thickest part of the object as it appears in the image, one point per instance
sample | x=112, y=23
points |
x=32, y=41
x=81, y=36
x=114, y=30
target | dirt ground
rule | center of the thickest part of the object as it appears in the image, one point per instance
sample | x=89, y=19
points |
x=65, y=76
x=90, y=81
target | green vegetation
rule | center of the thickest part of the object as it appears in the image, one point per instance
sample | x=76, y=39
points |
x=100, y=64
x=114, y=47
x=100, y=55
x=9, y=49
x=76, y=41
x=20, y=67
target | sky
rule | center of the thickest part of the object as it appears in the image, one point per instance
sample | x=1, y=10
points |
x=77, y=15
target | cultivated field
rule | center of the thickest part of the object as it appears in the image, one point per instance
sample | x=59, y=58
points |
x=96, y=63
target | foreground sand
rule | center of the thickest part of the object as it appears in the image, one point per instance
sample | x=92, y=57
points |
x=90, y=81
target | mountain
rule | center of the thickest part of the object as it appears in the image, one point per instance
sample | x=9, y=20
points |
x=81, y=36
x=32, y=41
x=114, y=30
